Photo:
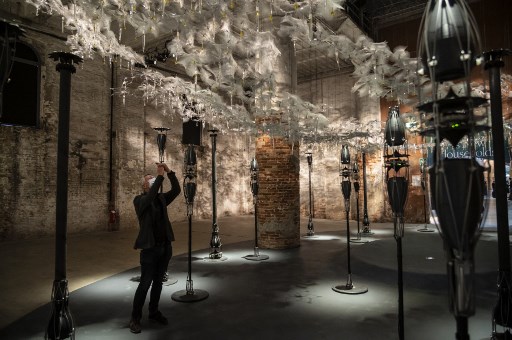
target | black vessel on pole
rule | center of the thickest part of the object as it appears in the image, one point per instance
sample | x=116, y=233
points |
x=215, y=242
x=189, y=190
x=254, y=189
x=311, y=230
x=61, y=322
x=345, y=173
x=502, y=313
x=396, y=163
x=161, y=140
x=449, y=47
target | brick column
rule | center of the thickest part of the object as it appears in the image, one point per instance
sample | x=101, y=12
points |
x=278, y=160
x=279, y=193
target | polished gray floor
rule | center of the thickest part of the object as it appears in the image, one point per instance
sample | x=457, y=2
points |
x=290, y=296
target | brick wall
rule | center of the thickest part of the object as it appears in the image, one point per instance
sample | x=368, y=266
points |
x=28, y=155
x=335, y=93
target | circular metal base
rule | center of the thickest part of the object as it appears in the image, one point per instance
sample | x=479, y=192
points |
x=425, y=229
x=215, y=255
x=135, y=278
x=367, y=234
x=256, y=257
x=170, y=281
x=353, y=290
x=183, y=296
x=208, y=259
x=358, y=240
x=310, y=236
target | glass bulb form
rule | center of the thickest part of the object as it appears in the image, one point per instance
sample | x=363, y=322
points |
x=309, y=157
x=355, y=176
x=254, y=177
x=345, y=173
x=395, y=128
x=161, y=139
x=450, y=40
x=396, y=162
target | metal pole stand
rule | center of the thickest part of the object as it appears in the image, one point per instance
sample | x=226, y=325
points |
x=215, y=242
x=399, y=233
x=355, y=174
x=311, y=230
x=502, y=314
x=367, y=231
x=60, y=325
x=254, y=189
x=396, y=165
x=189, y=189
x=349, y=287
x=425, y=228
x=161, y=139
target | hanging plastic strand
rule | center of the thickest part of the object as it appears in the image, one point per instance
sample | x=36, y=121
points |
x=143, y=40
x=258, y=15
x=310, y=21
x=271, y=16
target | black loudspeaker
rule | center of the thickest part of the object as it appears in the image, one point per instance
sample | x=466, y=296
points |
x=192, y=132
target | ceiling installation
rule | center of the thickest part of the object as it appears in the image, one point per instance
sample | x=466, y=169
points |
x=227, y=52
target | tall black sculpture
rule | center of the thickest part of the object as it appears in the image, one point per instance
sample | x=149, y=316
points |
x=311, y=230
x=161, y=140
x=189, y=190
x=345, y=173
x=61, y=322
x=215, y=242
x=502, y=314
x=449, y=48
x=396, y=163
x=254, y=189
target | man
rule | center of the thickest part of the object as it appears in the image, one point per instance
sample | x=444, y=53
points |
x=154, y=240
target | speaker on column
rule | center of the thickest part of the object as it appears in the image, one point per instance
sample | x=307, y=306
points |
x=192, y=132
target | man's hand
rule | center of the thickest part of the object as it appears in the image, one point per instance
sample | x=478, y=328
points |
x=160, y=170
x=164, y=168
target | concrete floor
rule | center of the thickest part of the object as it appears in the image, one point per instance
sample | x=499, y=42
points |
x=288, y=296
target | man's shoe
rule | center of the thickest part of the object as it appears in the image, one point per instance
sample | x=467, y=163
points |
x=158, y=317
x=135, y=326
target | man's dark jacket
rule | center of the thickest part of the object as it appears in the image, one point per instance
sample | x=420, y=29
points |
x=146, y=211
